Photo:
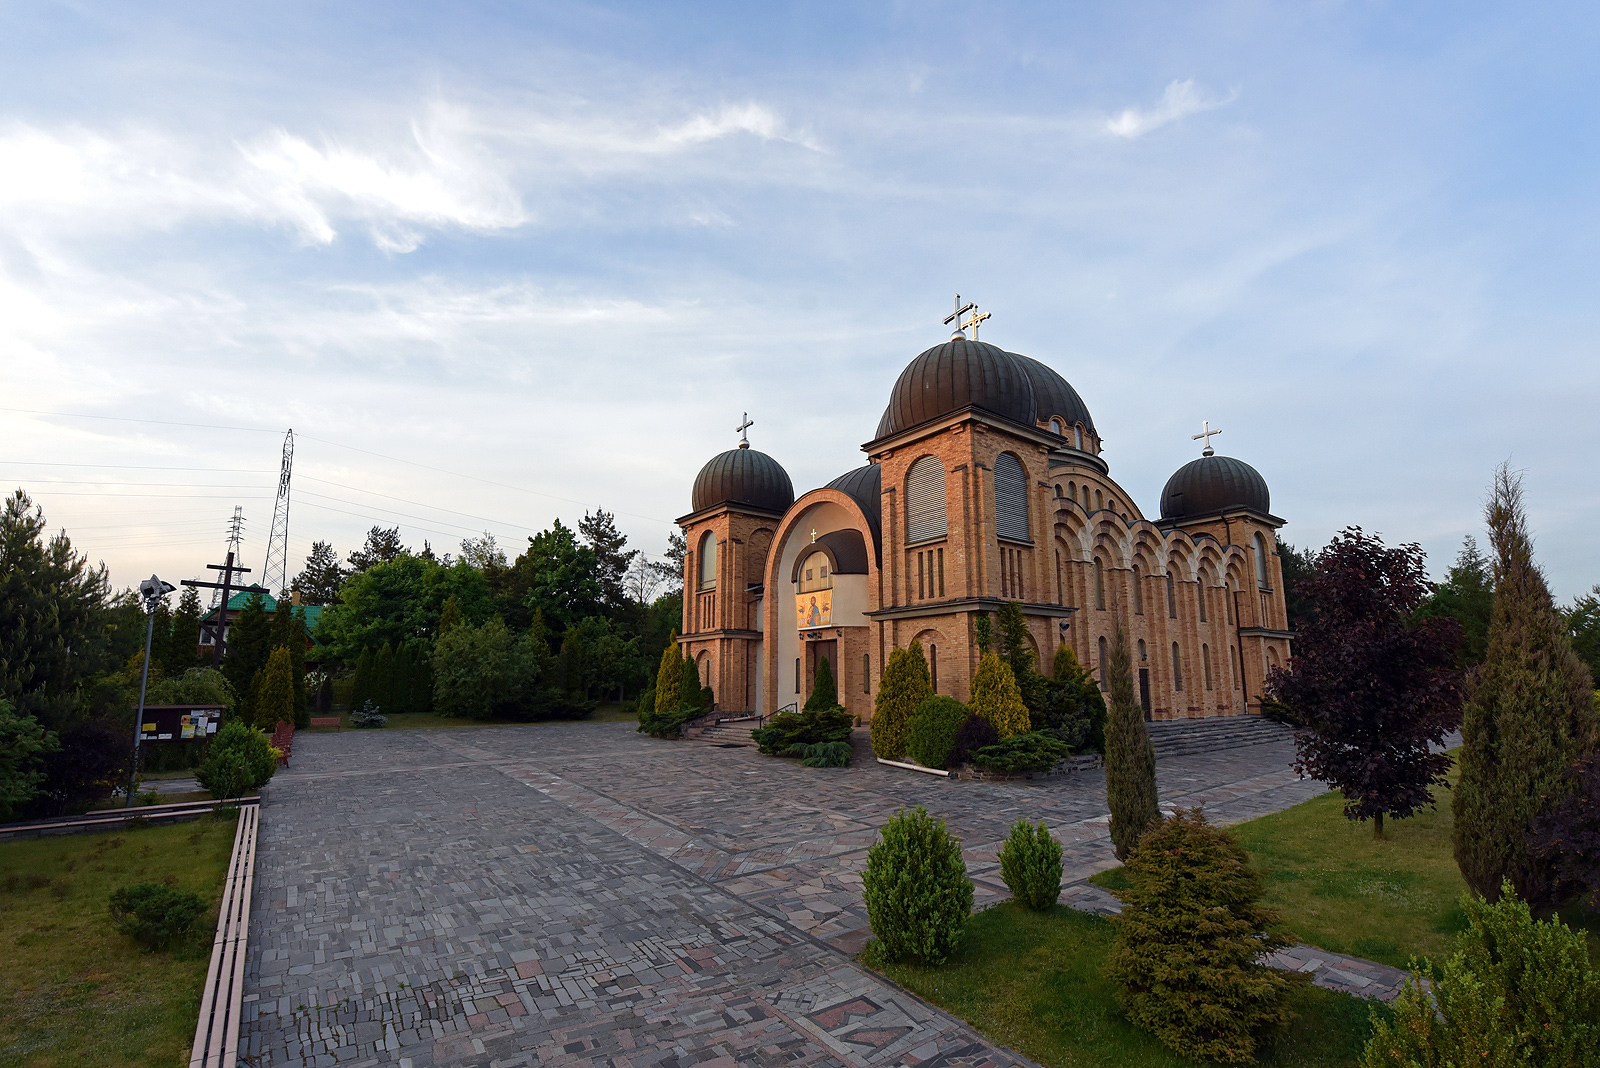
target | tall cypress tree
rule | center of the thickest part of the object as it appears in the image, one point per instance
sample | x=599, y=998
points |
x=669, y=678
x=248, y=648
x=1529, y=717
x=1130, y=759
x=272, y=695
x=288, y=632
x=824, y=692
x=905, y=685
x=361, y=684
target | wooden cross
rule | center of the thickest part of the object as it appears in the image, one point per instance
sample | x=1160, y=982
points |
x=955, y=317
x=1207, y=434
x=743, y=428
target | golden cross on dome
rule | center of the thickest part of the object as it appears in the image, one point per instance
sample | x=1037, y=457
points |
x=743, y=428
x=974, y=321
x=955, y=317
x=1207, y=434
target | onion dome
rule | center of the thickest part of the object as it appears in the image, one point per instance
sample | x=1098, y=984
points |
x=743, y=476
x=958, y=374
x=1214, y=484
x=864, y=485
x=1054, y=395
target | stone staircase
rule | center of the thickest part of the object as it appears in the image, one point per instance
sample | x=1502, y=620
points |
x=1183, y=737
x=728, y=732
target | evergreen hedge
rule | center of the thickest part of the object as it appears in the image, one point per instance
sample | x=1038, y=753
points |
x=916, y=889
x=996, y=698
x=1190, y=938
x=1515, y=992
x=904, y=687
x=1030, y=864
x=1029, y=751
x=933, y=730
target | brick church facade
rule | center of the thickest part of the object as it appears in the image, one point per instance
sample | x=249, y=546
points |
x=984, y=484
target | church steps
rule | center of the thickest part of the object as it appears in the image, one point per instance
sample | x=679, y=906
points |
x=1185, y=737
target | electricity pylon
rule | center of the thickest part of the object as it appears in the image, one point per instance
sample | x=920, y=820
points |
x=275, y=572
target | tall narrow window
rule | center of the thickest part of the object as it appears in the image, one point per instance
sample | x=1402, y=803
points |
x=1177, y=668
x=1200, y=596
x=933, y=666
x=1233, y=668
x=1138, y=592
x=866, y=672
x=1261, y=561
x=925, y=500
x=1104, y=663
x=1144, y=653
x=922, y=577
x=1099, y=500
x=797, y=674
x=1077, y=437
x=708, y=561
x=1010, y=498
x=1238, y=683
x=1205, y=662
x=941, y=571
x=1172, y=598
x=1227, y=602
x=1099, y=584
x=1055, y=427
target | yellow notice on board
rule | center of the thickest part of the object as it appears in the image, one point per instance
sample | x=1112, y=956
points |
x=814, y=609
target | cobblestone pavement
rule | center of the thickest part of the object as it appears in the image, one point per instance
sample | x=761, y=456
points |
x=578, y=893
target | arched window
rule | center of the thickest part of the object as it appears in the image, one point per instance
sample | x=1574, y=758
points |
x=866, y=672
x=1200, y=596
x=925, y=500
x=814, y=574
x=1144, y=653
x=1261, y=561
x=1205, y=662
x=1099, y=500
x=1055, y=426
x=1227, y=602
x=1138, y=593
x=1077, y=437
x=1103, y=663
x=1177, y=668
x=708, y=561
x=1058, y=491
x=1072, y=492
x=1099, y=584
x=1172, y=597
x=1010, y=498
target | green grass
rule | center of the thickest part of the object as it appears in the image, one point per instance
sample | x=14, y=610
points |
x=1031, y=981
x=75, y=991
x=1341, y=888
x=431, y=721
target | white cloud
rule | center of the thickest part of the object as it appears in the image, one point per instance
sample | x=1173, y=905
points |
x=1180, y=99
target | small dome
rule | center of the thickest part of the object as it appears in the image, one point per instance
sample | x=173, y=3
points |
x=743, y=476
x=1214, y=484
x=955, y=375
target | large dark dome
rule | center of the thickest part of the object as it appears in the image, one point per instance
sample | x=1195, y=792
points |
x=743, y=476
x=962, y=373
x=1214, y=484
x=864, y=485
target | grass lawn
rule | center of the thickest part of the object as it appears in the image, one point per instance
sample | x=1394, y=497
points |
x=75, y=991
x=1338, y=887
x=1032, y=981
x=427, y=721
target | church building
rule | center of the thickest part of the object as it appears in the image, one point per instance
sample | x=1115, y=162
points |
x=985, y=483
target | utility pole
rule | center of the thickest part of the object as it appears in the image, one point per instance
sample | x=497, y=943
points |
x=219, y=625
x=154, y=591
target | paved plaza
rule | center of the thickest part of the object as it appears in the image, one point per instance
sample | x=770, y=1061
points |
x=579, y=893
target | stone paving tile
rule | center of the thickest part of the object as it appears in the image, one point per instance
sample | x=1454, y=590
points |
x=576, y=893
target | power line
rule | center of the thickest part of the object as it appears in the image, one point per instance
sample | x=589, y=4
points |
x=134, y=467
x=419, y=504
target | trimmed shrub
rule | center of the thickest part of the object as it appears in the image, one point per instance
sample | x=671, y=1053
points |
x=1030, y=864
x=1515, y=992
x=367, y=716
x=1190, y=938
x=933, y=730
x=825, y=755
x=153, y=915
x=811, y=727
x=996, y=698
x=1031, y=751
x=904, y=687
x=824, y=692
x=975, y=734
x=916, y=888
x=240, y=760
x=669, y=681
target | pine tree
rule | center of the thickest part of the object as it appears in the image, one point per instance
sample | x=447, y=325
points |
x=183, y=641
x=824, y=693
x=1467, y=596
x=996, y=698
x=669, y=678
x=1529, y=717
x=248, y=648
x=1014, y=641
x=1130, y=760
x=905, y=685
x=272, y=695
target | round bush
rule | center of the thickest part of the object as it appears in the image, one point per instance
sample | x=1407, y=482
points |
x=916, y=888
x=241, y=759
x=933, y=730
x=153, y=914
x=1030, y=864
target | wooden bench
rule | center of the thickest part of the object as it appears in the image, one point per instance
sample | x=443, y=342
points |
x=216, y=1038
x=283, y=740
x=326, y=721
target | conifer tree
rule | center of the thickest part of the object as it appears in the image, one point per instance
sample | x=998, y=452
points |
x=361, y=683
x=669, y=678
x=996, y=698
x=690, y=693
x=1130, y=759
x=248, y=646
x=1014, y=641
x=1531, y=714
x=382, y=684
x=184, y=639
x=288, y=631
x=904, y=687
x=449, y=616
x=824, y=693
x=272, y=695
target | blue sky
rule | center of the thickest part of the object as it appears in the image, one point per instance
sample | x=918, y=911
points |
x=498, y=263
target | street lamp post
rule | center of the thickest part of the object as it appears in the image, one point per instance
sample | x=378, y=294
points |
x=154, y=591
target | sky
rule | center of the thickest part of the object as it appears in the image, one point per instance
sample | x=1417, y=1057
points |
x=500, y=264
